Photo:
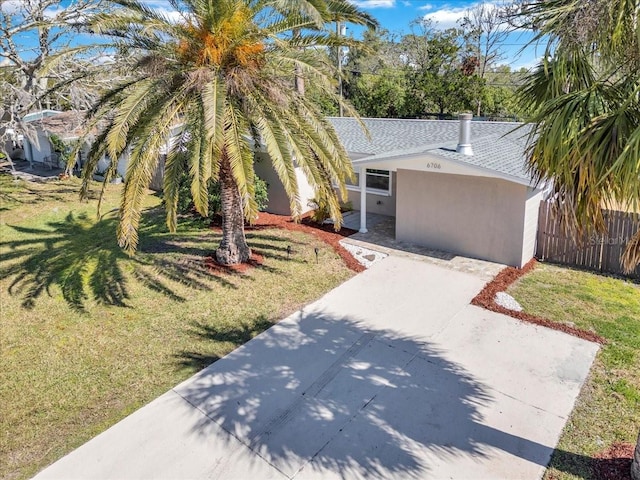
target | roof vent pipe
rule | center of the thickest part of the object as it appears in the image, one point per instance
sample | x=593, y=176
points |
x=464, y=139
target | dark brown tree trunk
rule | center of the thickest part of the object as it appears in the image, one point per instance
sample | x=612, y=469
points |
x=635, y=465
x=233, y=248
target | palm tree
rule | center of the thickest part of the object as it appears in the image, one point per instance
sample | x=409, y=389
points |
x=224, y=72
x=585, y=96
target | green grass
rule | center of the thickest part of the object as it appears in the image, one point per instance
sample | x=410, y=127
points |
x=89, y=334
x=608, y=409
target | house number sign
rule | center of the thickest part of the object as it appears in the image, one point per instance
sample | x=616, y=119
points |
x=434, y=165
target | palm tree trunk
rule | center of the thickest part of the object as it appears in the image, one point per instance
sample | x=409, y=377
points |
x=233, y=248
x=635, y=465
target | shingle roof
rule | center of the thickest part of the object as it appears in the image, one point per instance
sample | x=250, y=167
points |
x=495, y=144
x=68, y=124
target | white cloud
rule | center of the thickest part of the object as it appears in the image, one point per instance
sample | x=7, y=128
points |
x=161, y=7
x=104, y=59
x=374, y=3
x=51, y=13
x=426, y=6
x=11, y=7
x=449, y=17
x=172, y=15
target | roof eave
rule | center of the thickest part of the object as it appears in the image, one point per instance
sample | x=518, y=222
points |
x=395, y=157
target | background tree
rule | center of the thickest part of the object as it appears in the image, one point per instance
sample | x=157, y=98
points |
x=434, y=69
x=485, y=29
x=225, y=72
x=380, y=95
x=422, y=74
x=499, y=98
x=375, y=80
x=41, y=66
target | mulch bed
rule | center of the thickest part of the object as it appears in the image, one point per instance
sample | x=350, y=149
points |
x=325, y=233
x=255, y=261
x=614, y=463
x=486, y=299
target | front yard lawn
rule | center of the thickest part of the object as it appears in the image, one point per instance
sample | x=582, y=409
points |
x=608, y=409
x=89, y=334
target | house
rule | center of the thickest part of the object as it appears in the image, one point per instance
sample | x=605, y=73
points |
x=69, y=127
x=457, y=186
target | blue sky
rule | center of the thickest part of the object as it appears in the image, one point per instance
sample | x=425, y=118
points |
x=395, y=16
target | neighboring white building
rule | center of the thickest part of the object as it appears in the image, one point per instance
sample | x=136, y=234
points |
x=69, y=126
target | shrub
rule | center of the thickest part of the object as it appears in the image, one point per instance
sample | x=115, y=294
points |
x=185, y=200
x=320, y=210
x=346, y=207
x=63, y=148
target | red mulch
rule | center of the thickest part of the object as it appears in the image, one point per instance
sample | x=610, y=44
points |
x=486, y=299
x=325, y=233
x=255, y=261
x=614, y=463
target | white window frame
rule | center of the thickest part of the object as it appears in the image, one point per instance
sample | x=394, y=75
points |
x=375, y=191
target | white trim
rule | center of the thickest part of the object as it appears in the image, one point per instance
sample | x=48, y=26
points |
x=363, y=199
x=372, y=191
x=375, y=191
x=395, y=163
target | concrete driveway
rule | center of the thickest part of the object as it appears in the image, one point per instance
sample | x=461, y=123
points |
x=391, y=375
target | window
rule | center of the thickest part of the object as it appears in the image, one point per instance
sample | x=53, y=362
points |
x=356, y=181
x=378, y=182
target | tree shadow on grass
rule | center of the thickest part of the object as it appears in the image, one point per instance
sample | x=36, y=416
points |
x=82, y=258
x=582, y=466
x=29, y=192
x=237, y=334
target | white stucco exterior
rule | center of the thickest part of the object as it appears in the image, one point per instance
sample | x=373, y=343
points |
x=278, y=199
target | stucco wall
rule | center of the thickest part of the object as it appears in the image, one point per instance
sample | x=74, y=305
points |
x=123, y=163
x=530, y=229
x=473, y=216
x=38, y=148
x=380, y=204
x=278, y=199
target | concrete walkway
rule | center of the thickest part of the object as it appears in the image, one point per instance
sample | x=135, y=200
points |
x=391, y=375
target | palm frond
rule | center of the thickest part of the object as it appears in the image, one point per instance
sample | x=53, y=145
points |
x=275, y=141
x=129, y=110
x=152, y=135
x=199, y=162
x=175, y=164
x=240, y=157
x=224, y=71
x=631, y=256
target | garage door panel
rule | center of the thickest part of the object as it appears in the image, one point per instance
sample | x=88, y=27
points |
x=473, y=216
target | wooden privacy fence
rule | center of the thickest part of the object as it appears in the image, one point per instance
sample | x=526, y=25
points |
x=593, y=252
